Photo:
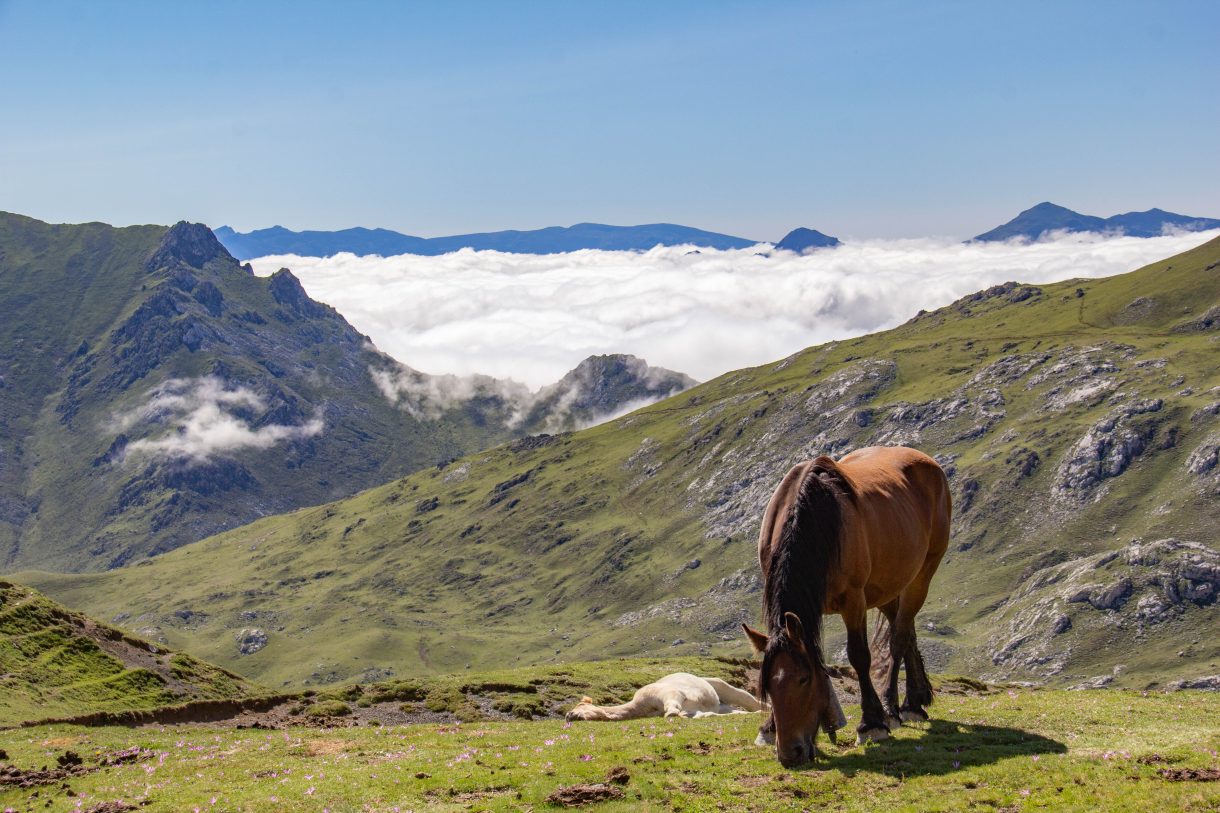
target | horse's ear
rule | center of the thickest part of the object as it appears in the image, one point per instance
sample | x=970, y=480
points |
x=757, y=639
x=586, y=700
x=794, y=630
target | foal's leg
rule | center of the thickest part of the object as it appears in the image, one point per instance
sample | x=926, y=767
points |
x=872, y=722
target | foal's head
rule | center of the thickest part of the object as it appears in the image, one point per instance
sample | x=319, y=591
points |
x=795, y=682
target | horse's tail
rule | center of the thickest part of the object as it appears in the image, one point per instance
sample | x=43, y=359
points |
x=808, y=551
x=879, y=649
x=881, y=658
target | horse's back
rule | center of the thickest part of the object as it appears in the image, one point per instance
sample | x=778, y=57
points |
x=903, y=505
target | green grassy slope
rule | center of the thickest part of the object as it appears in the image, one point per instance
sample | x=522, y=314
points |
x=1016, y=750
x=57, y=663
x=1073, y=418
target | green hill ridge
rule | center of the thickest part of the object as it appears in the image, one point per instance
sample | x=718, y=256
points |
x=56, y=663
x=1079, y=423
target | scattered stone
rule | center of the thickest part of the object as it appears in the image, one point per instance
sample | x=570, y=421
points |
x=1099, y=682
x=69, y=759
x=111, y=807
x=1210, y=683
x=1112, y=597
x=251, y=640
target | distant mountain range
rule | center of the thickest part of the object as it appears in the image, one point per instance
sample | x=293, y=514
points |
x=1049, y=217
x=551, y=240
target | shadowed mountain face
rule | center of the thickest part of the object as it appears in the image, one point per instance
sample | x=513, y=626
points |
x=551, y=240
x=801, y=240
x=1048, y=217
x=154, y=391
x=1078, y=423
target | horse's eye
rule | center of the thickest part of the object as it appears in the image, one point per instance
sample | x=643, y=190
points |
x=804, y=681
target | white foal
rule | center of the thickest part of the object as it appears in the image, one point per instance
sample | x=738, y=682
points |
x=676, y=695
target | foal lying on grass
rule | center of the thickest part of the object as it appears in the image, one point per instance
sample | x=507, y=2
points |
x=676, y=695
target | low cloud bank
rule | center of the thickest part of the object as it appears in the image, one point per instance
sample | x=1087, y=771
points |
x=204, y=418
x=533, y=317
x=599, y=389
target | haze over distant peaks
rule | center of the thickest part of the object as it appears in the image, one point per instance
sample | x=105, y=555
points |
x=1048, y=217
x=550, y=240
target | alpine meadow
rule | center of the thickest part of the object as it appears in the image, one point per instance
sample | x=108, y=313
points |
x=684, y=407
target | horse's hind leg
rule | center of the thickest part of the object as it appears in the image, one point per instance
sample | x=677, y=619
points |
x=872, y=723
x=885, y=647
x=919, y=687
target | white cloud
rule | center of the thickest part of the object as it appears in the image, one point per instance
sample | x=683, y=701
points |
x=201, y=422
x=534, y=317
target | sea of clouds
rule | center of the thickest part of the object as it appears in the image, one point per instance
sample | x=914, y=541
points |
x=703, y=312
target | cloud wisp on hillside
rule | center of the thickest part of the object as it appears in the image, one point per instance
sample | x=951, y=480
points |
x=533, y=317
x=203, y=418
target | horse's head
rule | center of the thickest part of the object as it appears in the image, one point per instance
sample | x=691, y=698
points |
x=795, y=682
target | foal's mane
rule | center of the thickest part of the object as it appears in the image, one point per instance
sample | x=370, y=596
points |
x=807, y=552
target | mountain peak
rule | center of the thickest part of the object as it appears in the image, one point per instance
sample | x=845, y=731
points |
x=802, y=239
x=1045, y=217
x=192, y=243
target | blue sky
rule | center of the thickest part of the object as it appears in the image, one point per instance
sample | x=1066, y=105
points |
x=872, y=119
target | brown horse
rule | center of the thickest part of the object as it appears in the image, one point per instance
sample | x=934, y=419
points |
x=843, y=537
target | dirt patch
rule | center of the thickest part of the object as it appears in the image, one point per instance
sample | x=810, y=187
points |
x=14, y=777
x=1190, y=774
x=124, y=757
x=111, y=807
x=325, y=748
x=618, y=776
x=584, y=794
x=701, y=748
x=471, y=795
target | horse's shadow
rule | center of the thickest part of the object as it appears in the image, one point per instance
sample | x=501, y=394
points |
x=945, y=747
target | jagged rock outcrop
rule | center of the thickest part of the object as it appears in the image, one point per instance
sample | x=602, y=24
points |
x=1105, y=451
x=1140, y=586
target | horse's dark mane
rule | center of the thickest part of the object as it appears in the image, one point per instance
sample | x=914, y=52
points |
x=802, y=559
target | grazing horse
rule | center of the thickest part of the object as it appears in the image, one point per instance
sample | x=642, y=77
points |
x=843, y=537
x=676, y=695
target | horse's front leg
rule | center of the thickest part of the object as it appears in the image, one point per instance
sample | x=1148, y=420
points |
x=872, y=723
x=766, y=732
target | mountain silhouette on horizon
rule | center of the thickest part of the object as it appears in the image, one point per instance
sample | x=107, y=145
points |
x=550, y=240
x=1046, y=217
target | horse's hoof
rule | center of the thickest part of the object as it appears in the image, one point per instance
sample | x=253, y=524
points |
x=871, y=735
x=913, y=716
x=763, y=740
x=892, y=722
